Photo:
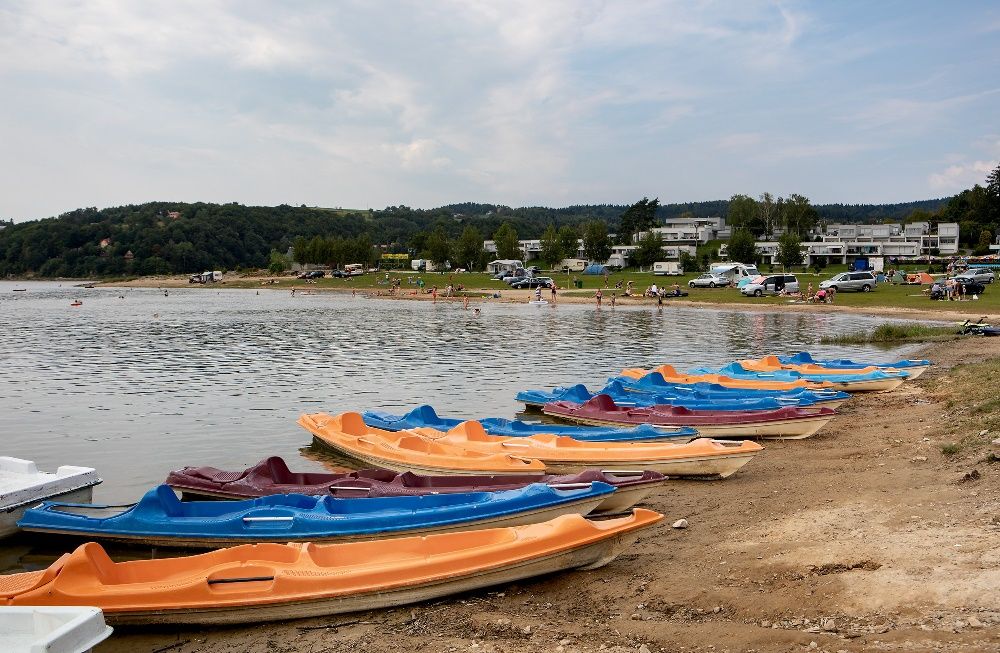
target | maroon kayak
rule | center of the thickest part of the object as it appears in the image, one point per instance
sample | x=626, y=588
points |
x=272, y=476
x=788, y=422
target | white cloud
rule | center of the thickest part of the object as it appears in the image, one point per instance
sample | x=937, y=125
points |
x=961, y=176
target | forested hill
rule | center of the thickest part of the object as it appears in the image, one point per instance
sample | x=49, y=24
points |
x=176, y=237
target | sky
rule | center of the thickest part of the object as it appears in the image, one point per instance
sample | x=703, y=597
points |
x=371, y=103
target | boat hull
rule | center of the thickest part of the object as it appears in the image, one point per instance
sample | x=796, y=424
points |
x=9, y=519
x=590, y=557
x=874, y=385
x=793, y=429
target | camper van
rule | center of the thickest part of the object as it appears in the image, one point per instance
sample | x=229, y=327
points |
x=206, y=277
x=354, y=269
x=739, y=274
x=573, y=265
x=667, y=268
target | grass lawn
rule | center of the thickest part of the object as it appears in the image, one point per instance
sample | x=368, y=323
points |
x=883, y=295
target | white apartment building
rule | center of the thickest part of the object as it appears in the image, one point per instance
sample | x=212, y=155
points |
x=693, y=231
x=531, y=250
x=843, y=242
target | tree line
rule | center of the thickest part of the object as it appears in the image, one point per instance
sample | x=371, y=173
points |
x=178, y=237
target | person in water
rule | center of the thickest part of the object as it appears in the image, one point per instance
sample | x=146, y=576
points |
x=598, y=296
x=538, y=293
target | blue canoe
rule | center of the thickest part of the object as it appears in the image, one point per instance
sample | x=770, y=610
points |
x=425, y=416
x=580, y=395
x=161, y=519
x=737, y=371
x=656, y=384
x=804, y=357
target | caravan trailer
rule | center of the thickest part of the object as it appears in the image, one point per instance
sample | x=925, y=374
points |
x=667, y=268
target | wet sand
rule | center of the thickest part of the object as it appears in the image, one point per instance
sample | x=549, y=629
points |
x=866, y=537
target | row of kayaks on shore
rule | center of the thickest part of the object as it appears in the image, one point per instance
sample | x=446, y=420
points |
x=445, y=506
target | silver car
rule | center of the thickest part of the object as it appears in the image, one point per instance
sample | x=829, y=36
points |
x=982, y=275
x=860, y=281
x=709, y=280
x=772, y=284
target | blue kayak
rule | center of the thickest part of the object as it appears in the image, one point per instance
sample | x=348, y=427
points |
x=656, y=384
x=804, y=357
x=161, y=519
x=737, y=371
x=580, y=395
x=425, y=416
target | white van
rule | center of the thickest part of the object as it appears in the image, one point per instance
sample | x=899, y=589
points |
x=573, y=265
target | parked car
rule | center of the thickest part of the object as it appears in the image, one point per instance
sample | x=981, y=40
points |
x=860, y=281
x=512, y=277
x=980, y=275
x=772, y=284
x=709, y=280
x=533, y=282
x=312, y=274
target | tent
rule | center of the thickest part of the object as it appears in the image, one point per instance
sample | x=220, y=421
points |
x=921, y=278
x=595, y=268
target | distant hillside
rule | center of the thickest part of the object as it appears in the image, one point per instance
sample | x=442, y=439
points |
x=178, y=237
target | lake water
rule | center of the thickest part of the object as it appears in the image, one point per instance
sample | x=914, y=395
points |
x=136, y=383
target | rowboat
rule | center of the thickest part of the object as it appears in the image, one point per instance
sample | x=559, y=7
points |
x=671, y=375
x=425, y=416
x=54, y=629
x=654, y=383
x=783, y=423
x=161, y=519
x=272, y=476
x=348, y=434
x=915, y=367
x=22, y=485
x=873, y=381
x=580, y=394
x=268, y=582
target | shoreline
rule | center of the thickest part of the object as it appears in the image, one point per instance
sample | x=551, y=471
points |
x=878, y=533
x=564, y=296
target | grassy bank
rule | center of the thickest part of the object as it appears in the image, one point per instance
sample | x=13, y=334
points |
x=893, y=333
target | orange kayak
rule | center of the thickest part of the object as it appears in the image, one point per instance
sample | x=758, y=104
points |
x=267, y=582
x=772, y=364
x=670, y=375
x=557, y=454
x=406, y=451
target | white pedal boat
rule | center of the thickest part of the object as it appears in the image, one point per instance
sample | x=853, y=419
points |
x=23, y=486
x=46, y=629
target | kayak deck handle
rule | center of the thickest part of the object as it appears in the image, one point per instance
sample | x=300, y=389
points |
x=334, y=488
x=623, y=472
x=245, y=579
x=569, y=486
x=265, y=519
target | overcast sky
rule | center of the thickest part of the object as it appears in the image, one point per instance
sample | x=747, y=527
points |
x=424, y=103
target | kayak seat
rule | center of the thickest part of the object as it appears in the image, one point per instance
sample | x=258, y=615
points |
x=601, y=402
x=352, y=424
x=424, y=414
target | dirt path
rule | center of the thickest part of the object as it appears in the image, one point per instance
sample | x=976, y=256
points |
x=864, y=538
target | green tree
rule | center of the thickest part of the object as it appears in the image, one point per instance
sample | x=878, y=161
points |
x=649, y=250
x=438, y=248
x=551, y=252
x=639, y=217
x=688, y=263
x=985, y=240
x=506, y=241
x=278, y=262
x=596, y=244
x=469, y=249
x=789, y=250
x=798, y=215
x=742, y=247
x=767, y=212
x=569, y=242
x=742, y=212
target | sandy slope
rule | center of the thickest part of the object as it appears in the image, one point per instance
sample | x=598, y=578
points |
x=863, y=538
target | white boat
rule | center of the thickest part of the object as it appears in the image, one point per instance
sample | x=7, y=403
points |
x=52, y=629
x=22, y=486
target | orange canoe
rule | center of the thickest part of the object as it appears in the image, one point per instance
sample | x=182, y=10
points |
x=670, y=375
x=558, y=454
x=406, y=451
x=267, y=582
x=772, y=364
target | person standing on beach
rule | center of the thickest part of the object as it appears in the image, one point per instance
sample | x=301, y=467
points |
x=434, y=293
x=553, y=293
x=465, y=302
x=598, y=296
x=614, y=298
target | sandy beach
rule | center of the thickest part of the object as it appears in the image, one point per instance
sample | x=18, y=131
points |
x=563, y=296
x=866, y=537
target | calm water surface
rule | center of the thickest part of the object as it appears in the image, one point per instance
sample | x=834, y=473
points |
x=136, y=383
